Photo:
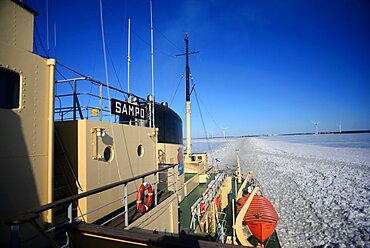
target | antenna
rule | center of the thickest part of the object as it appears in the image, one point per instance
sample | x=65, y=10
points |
x=187, y=65
x=104, y=54
x=128, y=56
x=152, y=56
x=47, y=23
x=55, y=34
x=55, y=39
x=317, y=126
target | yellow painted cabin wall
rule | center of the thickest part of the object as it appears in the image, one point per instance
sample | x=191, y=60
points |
x=93, y=173
x=24, y=131
x=167, y=154
x=24, y=147
x=16, y=26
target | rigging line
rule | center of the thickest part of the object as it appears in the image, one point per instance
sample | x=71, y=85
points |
x=94, y=61
x=220, y=129
x=208, y=143
x=104, y=47
x=124, y=32
x=177, y=88
x=114, y=68
x=214, y=121
x=204, y=126
x=42, y=45
x=57, y=70
x=107, y=80
x=34, y=45
x=171, y=42
x=72, y=70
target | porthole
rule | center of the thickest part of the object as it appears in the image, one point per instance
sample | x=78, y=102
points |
x=108, y=154
x=140, y=150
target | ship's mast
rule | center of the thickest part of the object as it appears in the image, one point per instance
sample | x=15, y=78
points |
x=187, y=68
x=188, y=109
x=128, y=55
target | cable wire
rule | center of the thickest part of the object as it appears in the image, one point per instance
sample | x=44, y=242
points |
x=204, y=126
x=42, y=45
x=177, y=88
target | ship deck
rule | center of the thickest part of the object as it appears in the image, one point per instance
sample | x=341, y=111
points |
x=133, y=214
x=189, y=200
x=189, y=176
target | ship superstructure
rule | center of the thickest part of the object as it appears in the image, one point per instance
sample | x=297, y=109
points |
x=98, y=172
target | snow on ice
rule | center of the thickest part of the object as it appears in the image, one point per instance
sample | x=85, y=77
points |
x=322, y=194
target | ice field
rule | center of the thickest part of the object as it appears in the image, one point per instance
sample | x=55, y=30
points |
x=321, y=192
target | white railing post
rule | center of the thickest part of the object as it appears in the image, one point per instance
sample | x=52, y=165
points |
x=126, y=204
x=174, y=178
x=101, y=102
x=156, y=190
x=70, y=217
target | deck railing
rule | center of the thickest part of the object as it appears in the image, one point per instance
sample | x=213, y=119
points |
x=83, y=97
x=32, y=216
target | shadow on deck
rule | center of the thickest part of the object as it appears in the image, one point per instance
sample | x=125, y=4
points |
x=134, y=214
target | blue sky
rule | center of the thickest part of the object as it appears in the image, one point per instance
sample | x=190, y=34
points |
x=264, y=66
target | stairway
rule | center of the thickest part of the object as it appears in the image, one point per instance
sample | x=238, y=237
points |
x=64, y=186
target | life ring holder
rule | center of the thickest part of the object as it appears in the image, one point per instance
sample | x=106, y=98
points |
x=140, y=205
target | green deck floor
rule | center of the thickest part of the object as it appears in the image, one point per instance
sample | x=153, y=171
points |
x=185, y=214
x=189, y=200
x=189, y=176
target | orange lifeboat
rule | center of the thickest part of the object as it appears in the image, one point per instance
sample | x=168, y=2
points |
x=261, y=217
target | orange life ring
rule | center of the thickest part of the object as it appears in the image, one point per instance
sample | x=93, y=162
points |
x=140, y=197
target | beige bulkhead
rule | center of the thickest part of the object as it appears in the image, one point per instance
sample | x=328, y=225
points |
x=94, y=171
x=26, y=131
x=168, y=154
x=27, y=138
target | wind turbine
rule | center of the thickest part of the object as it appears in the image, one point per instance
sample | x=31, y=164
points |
x=224, y=131
x=317, y=126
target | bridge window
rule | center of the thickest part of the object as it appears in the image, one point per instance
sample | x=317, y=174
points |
x=9, y=89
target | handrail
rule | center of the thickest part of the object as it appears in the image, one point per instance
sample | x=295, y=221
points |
x=242, y=187
x=34, y=214
x=72, y=97
x=97, y=82
x=84, y=77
